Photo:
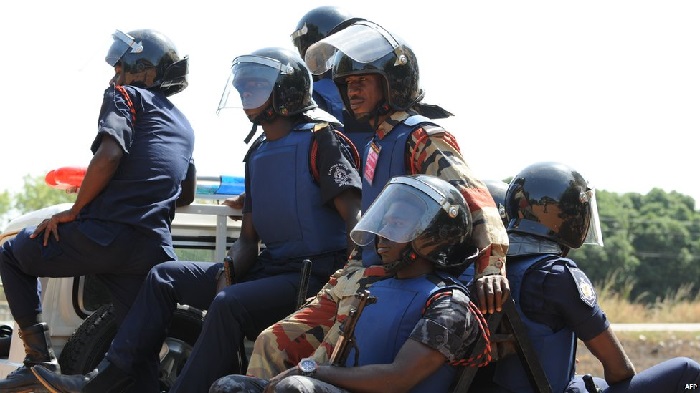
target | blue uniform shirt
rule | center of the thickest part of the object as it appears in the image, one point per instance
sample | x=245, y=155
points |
x=158, y=142
x=562, y=300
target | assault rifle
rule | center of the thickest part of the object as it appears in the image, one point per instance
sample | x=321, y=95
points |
x=346, y=341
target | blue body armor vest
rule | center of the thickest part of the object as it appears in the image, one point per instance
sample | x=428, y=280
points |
x=288, y=212
x=374, y=329
x=391, y=162
x=551, y=347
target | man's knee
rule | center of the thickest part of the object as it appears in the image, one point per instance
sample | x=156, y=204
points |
x=295, y=384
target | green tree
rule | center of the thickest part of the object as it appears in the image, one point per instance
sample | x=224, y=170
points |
x=5, y=206
x=37, y=194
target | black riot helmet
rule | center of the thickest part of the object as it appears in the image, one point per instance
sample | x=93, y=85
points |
x=367, y=48
x=497, y=189
x=553, y=201
x=276, y=73
x=426, y=212
x=318, y=24
x=139, y=50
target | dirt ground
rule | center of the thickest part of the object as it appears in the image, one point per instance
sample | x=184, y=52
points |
x=644, y=349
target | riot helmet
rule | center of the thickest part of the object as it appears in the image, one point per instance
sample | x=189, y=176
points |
x=278, y=74
x=363, y=48
x=139, y=50
x=553, y=201
x=428, y=214
x=318, y=24
x=497, y=189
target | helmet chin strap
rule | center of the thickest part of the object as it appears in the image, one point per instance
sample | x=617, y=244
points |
x=268, y=114
x=381, y=109
x=408, y=257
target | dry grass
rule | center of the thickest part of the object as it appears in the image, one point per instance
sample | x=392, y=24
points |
x=646, y=349
x=678, y=307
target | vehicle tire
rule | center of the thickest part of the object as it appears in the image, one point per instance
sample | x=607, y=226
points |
x=89, y=343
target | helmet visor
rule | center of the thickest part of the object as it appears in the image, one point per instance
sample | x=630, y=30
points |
x=363, y=41
x=400, y=213
x=594, y=234
x=122, y=44
x=254, y=78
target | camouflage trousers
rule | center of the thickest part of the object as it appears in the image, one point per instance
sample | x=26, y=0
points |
x=313, y=330
x=298, y=384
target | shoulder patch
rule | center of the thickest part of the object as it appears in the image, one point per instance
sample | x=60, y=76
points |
x=432, y=129
x=584, y=286
x=340, y=174
x=415, y=120
x=320, y=126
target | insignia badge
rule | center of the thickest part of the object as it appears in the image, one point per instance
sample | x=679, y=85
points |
x=585, y=288
x=340, y=175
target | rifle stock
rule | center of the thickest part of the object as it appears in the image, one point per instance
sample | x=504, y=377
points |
x=346, y=341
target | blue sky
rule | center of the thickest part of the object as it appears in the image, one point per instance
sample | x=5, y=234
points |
x=609, y=87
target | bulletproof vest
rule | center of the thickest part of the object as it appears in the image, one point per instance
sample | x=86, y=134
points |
x=385, y=326
x=391, y=162
x=288, y=212
x=555, y=350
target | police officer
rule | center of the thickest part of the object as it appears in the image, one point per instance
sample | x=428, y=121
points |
x=314, y=26
x=551, y=209
x=380, y=87
x=119, y=225
x=301, y=206
x=422, y=319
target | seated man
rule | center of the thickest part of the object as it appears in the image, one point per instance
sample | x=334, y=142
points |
x=422, y=320
x=551, y=209
x=383, y=91
x=296, y=214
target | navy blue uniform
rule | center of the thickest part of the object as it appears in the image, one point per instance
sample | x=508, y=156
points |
x=282, y=194
x=125, y=230
x=558, y=304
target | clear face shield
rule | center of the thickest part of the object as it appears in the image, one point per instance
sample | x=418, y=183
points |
x=401, y=213
x=253, y=78
x=594, y=234
x=122, y=44
x=363, y=41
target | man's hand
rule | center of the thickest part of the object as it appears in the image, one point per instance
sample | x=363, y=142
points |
x=270, y=388
x=492, y=291
x=235, y=202
x=50, y=225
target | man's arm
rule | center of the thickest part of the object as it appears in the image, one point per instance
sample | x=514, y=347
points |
x=606, y=347
x=245, y=250
x=348, y=204
x=99, y=172
x=434, y=151
x=188, y=187
x=338, y=178
x=413, y=363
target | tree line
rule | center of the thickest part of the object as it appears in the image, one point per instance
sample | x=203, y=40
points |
x=652, y=241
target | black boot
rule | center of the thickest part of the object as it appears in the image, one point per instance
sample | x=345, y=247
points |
x=37, y=346
x=106, y=379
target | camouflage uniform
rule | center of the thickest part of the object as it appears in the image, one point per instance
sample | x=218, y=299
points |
x=437, y=153
x=446, y=326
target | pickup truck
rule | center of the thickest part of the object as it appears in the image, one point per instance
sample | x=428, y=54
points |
x=78, y=311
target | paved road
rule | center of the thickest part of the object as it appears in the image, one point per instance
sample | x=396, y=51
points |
x=656, y=327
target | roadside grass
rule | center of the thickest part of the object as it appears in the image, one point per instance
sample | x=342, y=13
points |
x=677, y=307
x=646, y=349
